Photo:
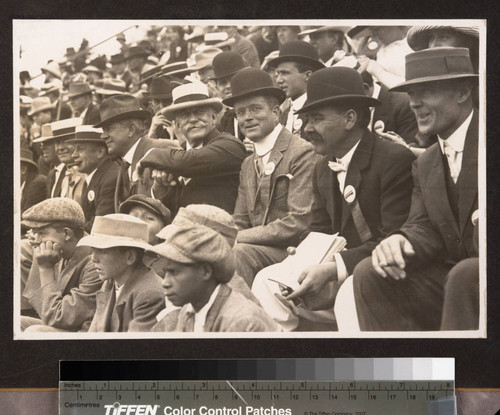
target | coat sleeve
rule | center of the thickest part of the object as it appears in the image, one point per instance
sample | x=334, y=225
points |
x=70, y=311
x=219, y=158
x=321, y=221
x=147, y=305
x=418, y=229
x=396, y=186
x=289, y=229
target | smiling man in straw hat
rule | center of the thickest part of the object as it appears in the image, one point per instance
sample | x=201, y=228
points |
x=403, y=284
x=62, y=282
x=131, y=295
x=124, y=131
x=273, y=209
x=362, y=190
x=209, y=165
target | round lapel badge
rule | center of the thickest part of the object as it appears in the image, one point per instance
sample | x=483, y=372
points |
x=475, y=216
x=91, y=195
x=269, y=169
x=350, y=194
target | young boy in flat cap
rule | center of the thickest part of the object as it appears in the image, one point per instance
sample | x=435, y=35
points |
x=196, y=263
x=131, y=295
x=62, y=282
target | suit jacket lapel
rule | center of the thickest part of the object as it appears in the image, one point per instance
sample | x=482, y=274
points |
x=360, y=161
x=105, y=304
x=214, y=311
x=382, y=111
x=67, y=273
x=467, y=182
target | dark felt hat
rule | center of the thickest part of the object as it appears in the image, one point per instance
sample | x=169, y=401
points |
x=136, y=51
x=226, y=64
x=162, y=86
x=436, y=64
x=27, y=157
x=121, y=107
x=118, y=58
x=149, y=203
x=336, y=85
x=249, y=82
x=298, y=51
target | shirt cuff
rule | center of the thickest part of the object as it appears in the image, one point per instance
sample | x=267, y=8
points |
x=341, y=268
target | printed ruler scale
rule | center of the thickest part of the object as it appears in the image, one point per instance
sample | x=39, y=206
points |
x=236, y=397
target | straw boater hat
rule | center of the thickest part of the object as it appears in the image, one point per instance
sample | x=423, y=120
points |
x=336, y=85
x=436, y=64
x=40, y=104
x=298, y=51
x=323, y=29
x=418, y=36
x=87, y=134
x=251, y=82
x=189, y=96
x=117, y=229
x=65, y=128
x=121, y=107
x=46, y=134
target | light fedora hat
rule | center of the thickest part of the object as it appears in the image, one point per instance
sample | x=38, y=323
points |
x=117, y=229
x=188, y=96
x=40, y=104
x=87, y=134
x=436, y=64
x=336, y=85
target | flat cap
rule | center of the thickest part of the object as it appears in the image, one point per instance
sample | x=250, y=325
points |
x=153, y=205
x=57, y=209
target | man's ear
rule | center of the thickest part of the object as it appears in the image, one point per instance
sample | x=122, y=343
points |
x=464, y=91
x=350, y=119
x=131, y=257
x=68, y=234
x=206, y=271
x=307, y=74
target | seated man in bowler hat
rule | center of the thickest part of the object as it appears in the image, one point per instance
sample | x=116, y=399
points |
x=131, y=295
x=362, y=189
x=208, y=165
x=91, y=158
x=196, y=264
x=294, y=65
x=62, y=282
x=124, y=131
x=273, y=209
x=403, y=284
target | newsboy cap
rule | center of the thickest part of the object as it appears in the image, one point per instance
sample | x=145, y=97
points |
x=154, y=205
x=54, y=210
x=191, y=244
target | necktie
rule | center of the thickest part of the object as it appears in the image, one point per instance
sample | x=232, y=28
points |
x=451, y=155
x=259, y=165
x=337, y=166
x=126, y=178
x=189, y=326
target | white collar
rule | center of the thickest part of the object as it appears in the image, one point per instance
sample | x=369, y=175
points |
x=200, y=317
x=457, y=139
x=376, y=90
x=130, y=154
x=188, y=146
x=298, y=103
x=264, y=146
x=348, y=156
x=59, y=167
x=89, y=177
x=329, y=62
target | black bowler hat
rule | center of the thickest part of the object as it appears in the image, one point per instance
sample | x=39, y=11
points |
x=298, y=51
x=436, y=64
x=136, y=51
x=336, y=85
x=249, y=82
x=226, y=64
x=120, y=107
x=161, y=87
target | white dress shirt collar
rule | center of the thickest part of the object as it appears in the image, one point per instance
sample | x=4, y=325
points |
x=200, y=317
x=264, y=146
x=299, y=102
x=457, y=139
x=89, y=177
x=130, y=153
